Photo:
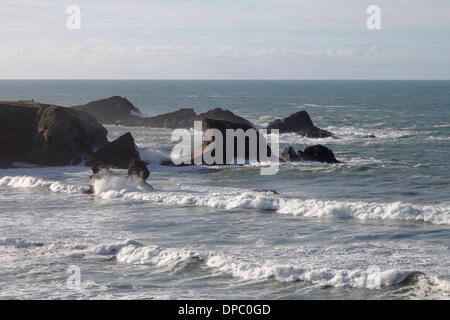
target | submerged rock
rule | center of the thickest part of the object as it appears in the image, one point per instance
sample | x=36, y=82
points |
x=289, y=155
x=318, y=153
x=300, y=123
x=47, y=134
x=118, y=153
x=112, y=110
x=138, y=168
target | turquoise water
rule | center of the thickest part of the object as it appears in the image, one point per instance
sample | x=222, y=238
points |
x=374, y=226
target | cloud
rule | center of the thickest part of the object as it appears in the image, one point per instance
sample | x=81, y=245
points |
x=98, y=58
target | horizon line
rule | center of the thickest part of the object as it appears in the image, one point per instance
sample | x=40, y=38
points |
x=210, y=79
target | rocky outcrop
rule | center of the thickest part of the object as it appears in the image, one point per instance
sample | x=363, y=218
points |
x=289, y=155
x=118, y=110
x=112, y=110
x=47, y=134
x=318, y=153
x=118, y=153
x=251, y=144
x=138, y=168
x=300, y=123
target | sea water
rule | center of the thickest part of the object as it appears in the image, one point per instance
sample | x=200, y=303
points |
x=375, y=226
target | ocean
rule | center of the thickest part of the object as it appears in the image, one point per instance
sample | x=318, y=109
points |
x=376, y=226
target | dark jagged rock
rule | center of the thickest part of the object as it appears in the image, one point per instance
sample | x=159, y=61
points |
x=47, y=134
x=138, y=168
x=222, y=125
x=289, y=155
x=300, y=123
x=112, y=110
x=183, y=118
x=318, y=153
x=117, y=153
x=369, y=136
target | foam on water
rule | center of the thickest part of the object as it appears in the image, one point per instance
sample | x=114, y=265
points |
x=229, y=198
x=117, y=186
x=33, y=182
x=20, y=243
x=308, y=265
x=346, y=135
x=134, y=253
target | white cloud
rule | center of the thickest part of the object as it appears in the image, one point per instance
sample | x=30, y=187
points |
x=97, y=58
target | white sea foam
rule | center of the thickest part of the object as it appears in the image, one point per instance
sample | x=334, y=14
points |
x=33, y=182
x=434, y=138
x=345, y=135
x=114, y=248
x=113, y=185
x=117, y=186
x=229, y=198
x=20, y=243
x=260, y=270
x=446, y=125
x=351, y=132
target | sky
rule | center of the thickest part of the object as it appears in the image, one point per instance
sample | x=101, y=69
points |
x=229, y=39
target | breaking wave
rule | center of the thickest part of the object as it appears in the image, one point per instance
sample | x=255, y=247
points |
x=228, y=199
x=33, y=182
x=120, y=187
x=134, y=253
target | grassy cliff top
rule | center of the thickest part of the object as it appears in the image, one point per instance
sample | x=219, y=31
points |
x=24, y=103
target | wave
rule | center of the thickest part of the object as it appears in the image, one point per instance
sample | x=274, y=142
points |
x=133, y=253
x=345, y=135
x=20, y=243
x=33, y=182
x=358, y=133
x=229, y=199
x=120, y=187
x=312, y=265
